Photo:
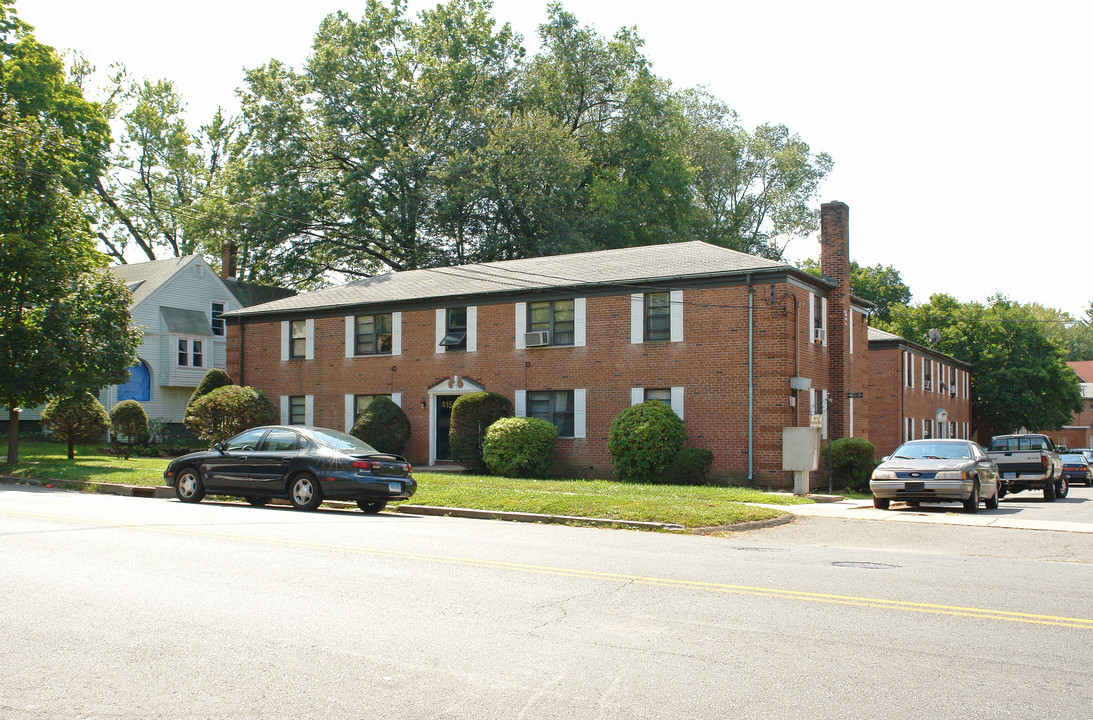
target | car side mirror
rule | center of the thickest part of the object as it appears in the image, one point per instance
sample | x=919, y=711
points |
x=885, y=458
x=219, y=447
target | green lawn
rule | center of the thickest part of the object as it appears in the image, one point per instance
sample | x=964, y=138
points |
x=689, y=506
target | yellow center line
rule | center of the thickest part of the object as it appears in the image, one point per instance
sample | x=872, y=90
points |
x=907, y=606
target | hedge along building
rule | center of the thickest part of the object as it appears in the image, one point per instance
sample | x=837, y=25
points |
x=739, y=346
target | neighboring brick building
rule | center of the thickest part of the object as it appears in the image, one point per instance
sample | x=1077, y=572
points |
x=576, y=338
x=1079, y=433
x=926, y=390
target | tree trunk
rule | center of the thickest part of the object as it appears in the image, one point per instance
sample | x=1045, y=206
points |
x=71, y=447
x=13, y=435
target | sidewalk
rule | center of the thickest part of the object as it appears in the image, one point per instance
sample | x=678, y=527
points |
x=931, y=514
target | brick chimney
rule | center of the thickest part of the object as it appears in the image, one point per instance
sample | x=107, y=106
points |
x=835, y=265
x=228, y=254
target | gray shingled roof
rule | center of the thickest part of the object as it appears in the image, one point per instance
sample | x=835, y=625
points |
x=692, y=259
x=875, y=334
x=145, y=278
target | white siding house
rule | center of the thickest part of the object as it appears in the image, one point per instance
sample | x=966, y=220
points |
x=178, y=302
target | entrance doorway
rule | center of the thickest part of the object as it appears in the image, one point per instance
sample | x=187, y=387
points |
x=443, y=424
x=442, y=397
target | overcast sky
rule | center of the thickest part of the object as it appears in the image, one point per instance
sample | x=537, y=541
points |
x=958, y=128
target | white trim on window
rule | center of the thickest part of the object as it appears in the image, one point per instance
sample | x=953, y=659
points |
x=309, y=342
x=284, y=342
x=521, y=326
x=284, y=410
x=520, y=403
x=309, y=410
x=472, y=328
x=675, y=315
x=823, y=324
x=637, y=318
x=579, y=322
x=350, y=411
x=677, y=401
x=441, y=328
x=637, y=396
x=396, y=398
x=579, y=400
x=350, y=336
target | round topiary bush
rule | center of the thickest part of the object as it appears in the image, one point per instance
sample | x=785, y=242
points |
x=643, y=441
x=519, y=447
x=80, y=418
x=228, y=411
x=852, y=461
x=384, y=426
x=689, y=467
x=215, y=378
x=129, y=421
x=471, y=415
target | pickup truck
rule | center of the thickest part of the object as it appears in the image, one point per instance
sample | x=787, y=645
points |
x=1028, y=462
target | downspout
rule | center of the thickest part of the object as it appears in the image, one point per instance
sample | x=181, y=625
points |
x=751, y=381
x=242, y=351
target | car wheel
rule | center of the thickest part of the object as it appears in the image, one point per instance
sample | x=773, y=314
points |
x=304, y=493
x=971, y=505
x=913, y=503
x=1062, y=488
x=257, y=500
x=371, y=506
x=1001, y=492
x=188, y=486
x=881, y=503
x=1049, y=491
x=991, y=503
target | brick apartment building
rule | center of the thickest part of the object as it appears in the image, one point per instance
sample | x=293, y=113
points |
x=1079, y=433
x=739, y=346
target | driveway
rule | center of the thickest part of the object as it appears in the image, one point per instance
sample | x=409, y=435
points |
x=1023, y=511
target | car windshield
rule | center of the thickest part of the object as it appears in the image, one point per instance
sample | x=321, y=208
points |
x=1073, y=458
x=341, y=441
x=933, y=451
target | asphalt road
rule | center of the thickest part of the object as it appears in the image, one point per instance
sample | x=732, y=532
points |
x=117, y=607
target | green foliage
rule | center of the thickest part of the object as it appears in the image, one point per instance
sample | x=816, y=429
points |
x=643, y=441
x=689, y=467
x=471, y=415
x=851, y=461
x=129, y=420
x=1019, y=377
x=384, y=426
x=228, y=411
x=78, y=418
x=213, y=379
x=879, y=284
x=519, y=447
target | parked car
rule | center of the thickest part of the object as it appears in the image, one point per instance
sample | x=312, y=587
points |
x=303, y=464
x=936, y=471
x=1088, y=452
x=1029, y=461
x=1076, y=468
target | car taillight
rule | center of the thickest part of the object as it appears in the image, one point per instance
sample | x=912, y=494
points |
x=1043, y=460
x=367, y=464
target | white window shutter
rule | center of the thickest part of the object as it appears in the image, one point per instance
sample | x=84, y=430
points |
x=675, y=305
x=350, y=411
x=811, y=316
x=396, y=333
x=309, y=343
x=823, y=405
x=637, y=396
x=284, y=341
x=677, y=401
x=350, y=336
x=284, y=409
x=396, y=398
x=823, y=320
x=441, y=327
x=520, y=404
x=579, y=413
x=472, y=328
x=309, y=409
x=579, y=325
x=637, y=318
x=521, y=326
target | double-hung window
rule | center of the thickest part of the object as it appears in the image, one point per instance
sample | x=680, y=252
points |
x=297, y=410
x=218, y=325
x=373, y=334
x=297, y=343
x=191, y=352
x=927, y=374
x=554, y=317
x=554, y=406
x=658, y=316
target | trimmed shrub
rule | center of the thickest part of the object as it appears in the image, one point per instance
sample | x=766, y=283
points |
x=643, y=441
x=215, y=378
x=80, y=418
x=851, y=462
x=129, y=421
x=689, y=467
x=384, y=426
x=471, y=415
x=519, y=447
x=228, y=411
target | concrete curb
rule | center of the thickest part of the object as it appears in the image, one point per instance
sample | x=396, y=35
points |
x=748, y=525
x=531, y=517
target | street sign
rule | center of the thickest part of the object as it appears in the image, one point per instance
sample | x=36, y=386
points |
x=855, y=394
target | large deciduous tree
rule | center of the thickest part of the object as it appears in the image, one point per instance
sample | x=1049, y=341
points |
x=1019, y=376
x=879, y=284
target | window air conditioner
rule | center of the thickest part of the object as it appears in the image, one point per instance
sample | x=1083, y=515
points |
x=927, y=385
x=538, y=338
x=818, y=335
